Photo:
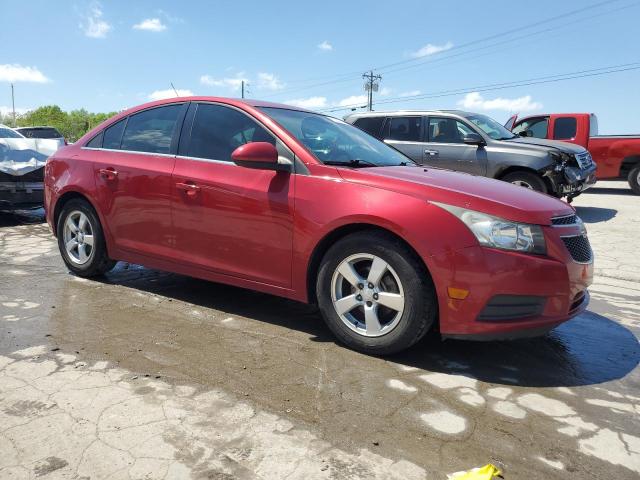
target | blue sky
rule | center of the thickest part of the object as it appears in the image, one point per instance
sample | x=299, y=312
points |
x=110, y=55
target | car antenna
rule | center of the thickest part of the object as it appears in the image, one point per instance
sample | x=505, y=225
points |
x=174, y=89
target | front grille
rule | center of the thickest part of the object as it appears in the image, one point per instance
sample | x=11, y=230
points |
x=34, y=176
x=567, y=220
x=584, y=160
x=579, y=248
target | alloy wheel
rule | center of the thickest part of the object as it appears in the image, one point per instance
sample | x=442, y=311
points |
x=522, y=183
x=78, y=237
x=367, y=295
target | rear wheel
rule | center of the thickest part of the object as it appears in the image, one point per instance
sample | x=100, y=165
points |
x=634, y=179
x=81, y=240
x=526, y=179
x=374, y=294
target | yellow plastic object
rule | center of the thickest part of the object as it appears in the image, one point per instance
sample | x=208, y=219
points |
x=457, y=293
x=488, y=472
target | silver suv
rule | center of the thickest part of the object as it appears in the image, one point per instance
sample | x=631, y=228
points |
x=477, y=144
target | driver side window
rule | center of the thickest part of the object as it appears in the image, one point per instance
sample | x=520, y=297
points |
x=535, y=127
x=217, y=131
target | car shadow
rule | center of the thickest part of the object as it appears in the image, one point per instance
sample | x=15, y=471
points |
x=595, y=214
x=14, y=218
x=609, y=191
x=587, y=350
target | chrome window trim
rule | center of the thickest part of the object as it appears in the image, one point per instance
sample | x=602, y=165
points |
x=128, y=151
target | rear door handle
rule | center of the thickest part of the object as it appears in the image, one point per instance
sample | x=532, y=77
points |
x=190, y=189
x=108, y=174
x=431, y=152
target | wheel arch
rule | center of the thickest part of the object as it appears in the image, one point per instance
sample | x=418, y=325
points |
x=519, y=168
x=63, y=200
x=338, y=233
x=628, y=164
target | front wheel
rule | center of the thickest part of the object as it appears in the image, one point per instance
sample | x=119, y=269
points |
x=374, y=293
x=634, y=180
x=526, y=179
x=81, y=240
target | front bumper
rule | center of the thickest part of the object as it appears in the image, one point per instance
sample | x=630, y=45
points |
x=21, y=195
x=578, y=180
x=486, y=273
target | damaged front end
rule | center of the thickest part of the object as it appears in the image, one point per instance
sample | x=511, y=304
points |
x=22, y=163
x=570, y=174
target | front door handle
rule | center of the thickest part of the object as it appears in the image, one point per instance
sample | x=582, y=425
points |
x=431, y=152
x=108, y=174
x=190, y=189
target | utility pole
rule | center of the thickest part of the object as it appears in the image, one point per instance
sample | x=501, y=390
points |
x=13, y=106
x=371, y=85
x=242, y=88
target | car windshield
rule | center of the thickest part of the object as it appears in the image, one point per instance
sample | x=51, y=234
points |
x=8, y=133
x=489, y=126
x=335, y=142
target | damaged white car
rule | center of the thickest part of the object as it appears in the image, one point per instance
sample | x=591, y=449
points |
x=22, y=168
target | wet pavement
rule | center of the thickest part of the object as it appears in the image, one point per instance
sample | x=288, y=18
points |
x=146, y=374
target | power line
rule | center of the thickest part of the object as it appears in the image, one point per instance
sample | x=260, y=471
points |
x=347, y=77
x=372, y=84
x=500, y=86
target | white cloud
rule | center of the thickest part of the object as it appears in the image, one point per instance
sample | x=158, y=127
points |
x=475, y=101
x=353, y=100
x=18, y=73
x=268, y=81
x=94, y=26
x=411, y=93
x=232, y=83
x=384, y=91
x=169, y=93
x=430, y=49
x=151, y=25
x=325, y=46
x=311, y=102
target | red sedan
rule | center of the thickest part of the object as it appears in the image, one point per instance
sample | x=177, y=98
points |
x=298, y=204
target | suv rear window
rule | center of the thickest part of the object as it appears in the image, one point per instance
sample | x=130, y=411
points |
x=371, y=125
x=48, y=132
x=564, y=128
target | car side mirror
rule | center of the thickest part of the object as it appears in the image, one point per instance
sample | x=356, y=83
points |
x=474, y=139
x=525, y=133
x=259, y=155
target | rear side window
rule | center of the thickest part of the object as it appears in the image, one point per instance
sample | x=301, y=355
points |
x=95, y=142
x=217, y=131
x=113, y=135
x=564, y=128
x=534, y=127
x=371, y=125
x=408, y=129
x=151, y=130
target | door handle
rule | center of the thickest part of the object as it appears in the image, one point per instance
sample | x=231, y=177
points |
x=431, y=152
x=108, y=174
x=190, y=189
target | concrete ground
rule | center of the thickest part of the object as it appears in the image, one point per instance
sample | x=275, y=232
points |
x=146, y=374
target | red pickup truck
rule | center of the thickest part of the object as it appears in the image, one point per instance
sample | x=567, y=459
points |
x=617, y=156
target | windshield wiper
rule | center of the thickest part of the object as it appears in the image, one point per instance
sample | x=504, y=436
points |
x=356, y=163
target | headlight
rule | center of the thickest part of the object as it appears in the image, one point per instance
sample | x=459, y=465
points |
x=499, y=233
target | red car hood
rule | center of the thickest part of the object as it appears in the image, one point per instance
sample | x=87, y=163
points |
x=486, y=195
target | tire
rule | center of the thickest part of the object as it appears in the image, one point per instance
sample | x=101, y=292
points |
x=526, y=179
x=84, y=258
x=405, y=284
x=634, y=179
